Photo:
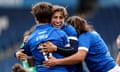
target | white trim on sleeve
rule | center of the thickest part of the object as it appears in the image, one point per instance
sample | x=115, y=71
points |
x=71, y=37
x=67, y=45
x=83, y=48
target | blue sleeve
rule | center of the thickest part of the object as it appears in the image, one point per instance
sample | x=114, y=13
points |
x=27, y=49
x=70, y=30
x=65, y=39
x=84, y=40
x=71, y=33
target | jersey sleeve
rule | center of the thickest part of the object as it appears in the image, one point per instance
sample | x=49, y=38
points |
x=27, y=49
x=70, y=30
x=64, y=38
x=84, y=42
x=72, y=36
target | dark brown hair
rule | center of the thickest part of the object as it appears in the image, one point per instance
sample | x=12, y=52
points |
x=80, y=24
x=42, y=11
x=18, y=68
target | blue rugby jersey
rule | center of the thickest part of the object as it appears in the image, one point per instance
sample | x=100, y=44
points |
x=98, y=58
x=42, y=34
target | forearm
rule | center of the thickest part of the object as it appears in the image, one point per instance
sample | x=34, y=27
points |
x=67, y=51
x=76, y=58
x=27, y=50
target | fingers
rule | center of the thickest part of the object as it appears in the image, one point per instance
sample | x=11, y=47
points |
x=47, y=64
x=47, y=47
x=48, y=42
x=21, y=56
x=50, y=62
x=43, y=49
x=51, y=57
x=22, y=50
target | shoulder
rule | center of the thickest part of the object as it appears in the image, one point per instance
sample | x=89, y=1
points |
x=70, y=30
x=59, y=31
x=90, y=33
x=68, y=26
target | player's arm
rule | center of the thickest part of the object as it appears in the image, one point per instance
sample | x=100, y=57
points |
x=65, y=51
x=20, y=54
x=73, y=59
x=27, y=50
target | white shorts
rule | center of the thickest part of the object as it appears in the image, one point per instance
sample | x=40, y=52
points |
x=115, y=69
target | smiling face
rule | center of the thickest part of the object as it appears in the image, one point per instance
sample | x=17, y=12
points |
x=58, y=16
x=58, y=19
